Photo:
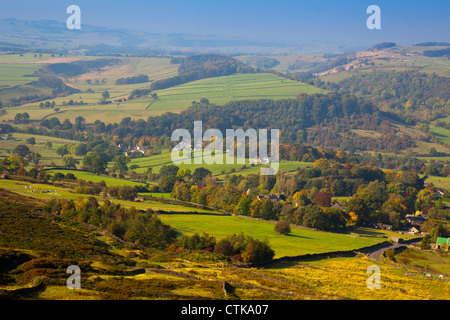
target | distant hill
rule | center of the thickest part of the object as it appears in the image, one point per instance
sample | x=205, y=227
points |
x=432, y=44
x=201, y=67
x=93, y=40
x=437, y=53
x=383, y=45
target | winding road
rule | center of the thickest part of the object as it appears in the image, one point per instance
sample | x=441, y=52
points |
x=377, y=253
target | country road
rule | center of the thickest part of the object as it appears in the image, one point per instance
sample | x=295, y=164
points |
x=377, y=253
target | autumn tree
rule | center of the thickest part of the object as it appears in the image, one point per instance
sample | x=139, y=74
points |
x=282, y=227
x=322, y=199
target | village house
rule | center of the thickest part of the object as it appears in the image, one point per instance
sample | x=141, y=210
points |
x=383, y=226
x=258, y=160
x=413, y=230
x=438, y=192
x=136, y=152
x=415, y=221
x=182, y=146
x=8, y=137
x=338, y=206
x=442, y=243
x=272, y=197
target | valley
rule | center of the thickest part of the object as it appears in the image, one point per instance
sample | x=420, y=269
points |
x=87, y=178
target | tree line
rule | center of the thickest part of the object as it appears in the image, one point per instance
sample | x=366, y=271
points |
x=146, y=229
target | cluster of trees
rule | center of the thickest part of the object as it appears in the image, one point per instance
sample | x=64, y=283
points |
x=332, y=61
x=54, y=122
x=383, y=45
x=13, y=164
x=26, y=99
x=374, y=196
x=142, y=78
x=199, y=67
x=146, y=229
x=141, y=228
x=72, y=103
x=21, y=118
x=291, y=116
x=78, y=67
x=306, y=153
x=239, y=247
x=56, y=85
x=59, y=88
x=263, y=62
x=47, y=104
x=408, y=93
x=437, y=53
x=136, y=93
x=340, y=134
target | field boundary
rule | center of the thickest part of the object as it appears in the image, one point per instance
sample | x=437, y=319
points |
x=324, y=255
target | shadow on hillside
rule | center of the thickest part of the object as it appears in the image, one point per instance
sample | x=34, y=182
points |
x=297, y=236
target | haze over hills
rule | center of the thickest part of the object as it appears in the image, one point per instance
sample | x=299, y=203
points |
x=54, y=34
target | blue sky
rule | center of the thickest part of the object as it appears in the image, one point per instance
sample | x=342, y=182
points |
x=404, y=22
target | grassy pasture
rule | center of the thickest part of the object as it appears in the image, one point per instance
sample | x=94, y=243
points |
x=299, y=241
x=219, y=90
x=440, y=182
x=235, y=87
x=430, y=261
x=15, y=75
x=47, y=192
x=442, y=134
x=92, y=177
x=24, y=58
x=157, y=161
x=49, y=155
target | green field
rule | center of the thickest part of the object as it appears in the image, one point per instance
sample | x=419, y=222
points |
x=299, y=241
x=49, y=155
x=224, y=89
x=429, y=261
x=439, y=182
x=92, y=177
x=218, y=90
x=17, y=74
x=47, y=192
x=155, y=162
x=442, y=134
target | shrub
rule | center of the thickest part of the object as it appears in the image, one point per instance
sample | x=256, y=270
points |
x=197, y=242
x=224, y=247
x=282, y=227
x=425, y=244
x=257, y=251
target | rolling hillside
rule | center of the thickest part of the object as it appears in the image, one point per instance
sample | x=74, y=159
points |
x=217, y=90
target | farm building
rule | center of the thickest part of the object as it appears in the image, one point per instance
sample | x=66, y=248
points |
x=442, y=243
x=136, y=152
x=383, y=226
x=415, y=221
x=272, y=197
x=338, y=206
x=438, y=192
